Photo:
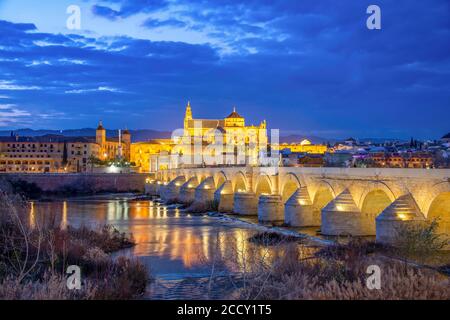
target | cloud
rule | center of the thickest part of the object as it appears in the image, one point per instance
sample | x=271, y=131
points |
x=128, y=8
x=302, y=65
x=105, y=12
x=99, y=89
x=154, y=23
x=11, y=86
x=11, y=114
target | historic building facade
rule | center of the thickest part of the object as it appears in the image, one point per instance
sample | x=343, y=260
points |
x=304, y=146
x=229, y=140
x=146, y=154
x=57, y=153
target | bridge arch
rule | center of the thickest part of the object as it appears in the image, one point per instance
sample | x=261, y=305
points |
x=192, y=180
x=439, y=207
x=324, y=195
x=171, y=176
x=375, y=198
x=289, y=184
x=263, y=185
x=239, y=182
x=440, y=210
x=220, y=178
x=375, y=202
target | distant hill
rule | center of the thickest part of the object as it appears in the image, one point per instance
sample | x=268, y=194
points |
x=148, y=134
x=136, y=135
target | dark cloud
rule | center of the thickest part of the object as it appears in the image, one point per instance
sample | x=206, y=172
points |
x=303, y=65
x=154, y=23
x=105, y=12
x=128, y=8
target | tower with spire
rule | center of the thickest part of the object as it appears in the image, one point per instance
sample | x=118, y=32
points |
x=187, y=115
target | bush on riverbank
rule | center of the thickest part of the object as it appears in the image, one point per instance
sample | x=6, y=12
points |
x=26, y=189
x=420, y=241
x=339, y=273
x=35, y=255
x=272, y=238
x=200, y=207
x=32, y=191
x=289, y=270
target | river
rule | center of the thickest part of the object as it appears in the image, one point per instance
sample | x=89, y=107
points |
x=180, y=250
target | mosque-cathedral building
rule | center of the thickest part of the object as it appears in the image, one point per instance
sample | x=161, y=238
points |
x=232, y=132
x=201, y=133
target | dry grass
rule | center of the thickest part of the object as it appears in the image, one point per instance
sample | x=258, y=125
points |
x=34, y=259
x=341, y=278
x=289, y=270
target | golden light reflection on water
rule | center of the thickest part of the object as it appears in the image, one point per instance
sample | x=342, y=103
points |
x=64, y=216
x=160, y=232
x=32, y=216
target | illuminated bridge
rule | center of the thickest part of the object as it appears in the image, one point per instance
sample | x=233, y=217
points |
x=342, y=201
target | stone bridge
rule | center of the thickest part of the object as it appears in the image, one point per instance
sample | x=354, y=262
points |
x=341, y=201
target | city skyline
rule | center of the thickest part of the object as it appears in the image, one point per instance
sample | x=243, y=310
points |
x=309, y=69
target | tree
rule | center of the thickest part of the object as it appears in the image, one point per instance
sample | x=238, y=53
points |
x=65, y=156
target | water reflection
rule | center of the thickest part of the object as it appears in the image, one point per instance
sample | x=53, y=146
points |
x=168, y=240
x=171, y=243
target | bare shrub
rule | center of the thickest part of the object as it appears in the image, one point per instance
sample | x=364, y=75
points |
x=199, y=207
x=270, y=269
x=421, y=240
x=34, y=258
x=290, y=277
x=51, y=287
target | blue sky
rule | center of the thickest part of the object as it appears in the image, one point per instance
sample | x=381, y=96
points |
x=307, y=67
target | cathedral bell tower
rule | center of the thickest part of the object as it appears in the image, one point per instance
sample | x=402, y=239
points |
x=188, y=115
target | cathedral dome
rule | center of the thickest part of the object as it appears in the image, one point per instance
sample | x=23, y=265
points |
x=234, y=115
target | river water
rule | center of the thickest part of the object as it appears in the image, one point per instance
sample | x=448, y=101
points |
x=181, y=251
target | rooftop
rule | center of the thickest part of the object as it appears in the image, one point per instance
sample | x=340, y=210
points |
x=234, y=114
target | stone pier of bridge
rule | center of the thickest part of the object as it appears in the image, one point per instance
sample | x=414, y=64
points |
x=338, y=201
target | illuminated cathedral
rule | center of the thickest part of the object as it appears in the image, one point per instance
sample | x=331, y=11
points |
x=232, y=131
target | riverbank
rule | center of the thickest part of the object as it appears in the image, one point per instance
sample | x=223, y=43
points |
x=36, y=186
x=215, y=256
x=302, y=266
x=438, y=261
x=38, y=255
